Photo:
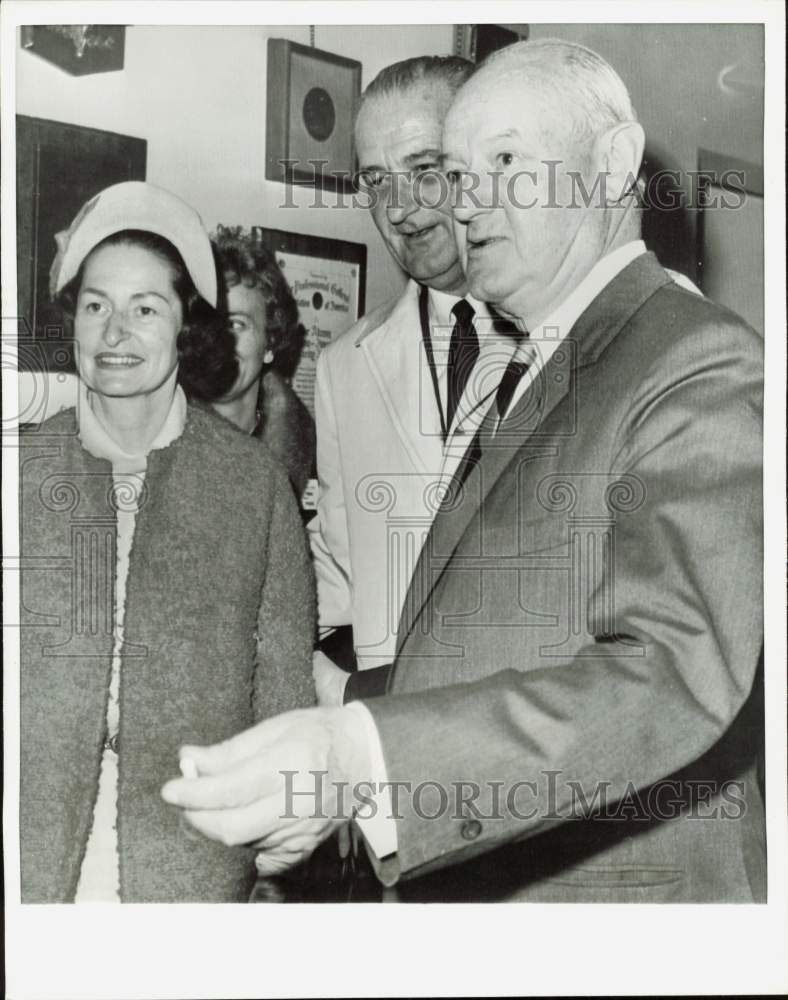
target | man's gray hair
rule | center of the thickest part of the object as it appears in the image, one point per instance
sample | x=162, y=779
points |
x=570, y=76
x=450, y=72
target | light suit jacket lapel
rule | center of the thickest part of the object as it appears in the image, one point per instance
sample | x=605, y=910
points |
x=397, y=363
x=589, y=337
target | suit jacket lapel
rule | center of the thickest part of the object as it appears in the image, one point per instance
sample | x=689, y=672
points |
x=396, y=361
x=462, y=503
x=589, y=337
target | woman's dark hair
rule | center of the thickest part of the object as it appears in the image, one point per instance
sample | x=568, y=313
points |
x=241, y=259
x=207, y=366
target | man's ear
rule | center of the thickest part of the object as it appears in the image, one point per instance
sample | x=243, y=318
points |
x=620, y=154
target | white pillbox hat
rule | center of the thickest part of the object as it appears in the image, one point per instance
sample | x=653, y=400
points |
x=136, y=205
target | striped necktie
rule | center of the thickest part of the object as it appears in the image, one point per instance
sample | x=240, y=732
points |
x=508, y=386
x=511, y=378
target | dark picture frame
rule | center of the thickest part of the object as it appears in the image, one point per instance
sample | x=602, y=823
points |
x=77, y=49
x=477, y=41
x=311, y=95
x=59, y=167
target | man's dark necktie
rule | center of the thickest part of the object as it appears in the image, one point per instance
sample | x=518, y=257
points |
x=512, y=376
x=508, y=385
x=463, y=354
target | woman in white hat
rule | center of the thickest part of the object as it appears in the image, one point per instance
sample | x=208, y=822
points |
x=167, y=590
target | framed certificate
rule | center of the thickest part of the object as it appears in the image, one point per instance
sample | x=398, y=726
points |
x=327, y=278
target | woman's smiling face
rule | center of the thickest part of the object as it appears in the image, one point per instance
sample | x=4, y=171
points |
x=127, y=320
x=246, y=308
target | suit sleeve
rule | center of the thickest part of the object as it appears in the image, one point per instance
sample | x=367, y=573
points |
x=687, y=585
x=328, y=530
x=286, y=621
x=369, y=683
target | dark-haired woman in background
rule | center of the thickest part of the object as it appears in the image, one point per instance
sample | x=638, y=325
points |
x=174, y=602
x=269, y=337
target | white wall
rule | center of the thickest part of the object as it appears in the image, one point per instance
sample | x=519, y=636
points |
x=197, y=94
x=672, y=73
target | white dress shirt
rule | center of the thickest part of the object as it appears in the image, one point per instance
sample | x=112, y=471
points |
x=442, y=320
x=495, y=351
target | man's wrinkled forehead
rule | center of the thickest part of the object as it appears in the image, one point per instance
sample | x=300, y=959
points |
x=399, y=118
x=505, y=100
x=476, y=96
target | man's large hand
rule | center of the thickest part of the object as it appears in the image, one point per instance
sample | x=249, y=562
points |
x=277, y=785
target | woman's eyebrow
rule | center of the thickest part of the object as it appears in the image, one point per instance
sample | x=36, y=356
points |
x=137, y=295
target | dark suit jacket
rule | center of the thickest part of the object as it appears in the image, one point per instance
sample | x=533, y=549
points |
x=586, y=621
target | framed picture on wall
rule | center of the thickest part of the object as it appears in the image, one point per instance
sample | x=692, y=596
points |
x=327, y=278
x=309, y=115
x=79, y=49
x=476, y=41
x=59, y=167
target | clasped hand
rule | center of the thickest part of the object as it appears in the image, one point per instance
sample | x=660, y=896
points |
x=274, y=786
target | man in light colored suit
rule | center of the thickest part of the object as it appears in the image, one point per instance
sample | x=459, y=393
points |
x=574, y=712
x=389, y=431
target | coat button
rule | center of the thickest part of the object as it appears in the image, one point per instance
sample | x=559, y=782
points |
x=471, y=829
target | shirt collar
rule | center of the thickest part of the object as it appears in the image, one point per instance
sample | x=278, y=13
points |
x=441, y=305
x=479, y=308
x=558, y=324
x=561, y=320
x=98, y=442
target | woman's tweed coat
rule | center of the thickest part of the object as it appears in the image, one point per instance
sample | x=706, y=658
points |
x=218, y=633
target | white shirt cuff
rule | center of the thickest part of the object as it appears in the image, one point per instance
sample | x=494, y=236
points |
x=375, y=819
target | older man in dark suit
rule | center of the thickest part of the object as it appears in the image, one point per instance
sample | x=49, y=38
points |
x=573, y=713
